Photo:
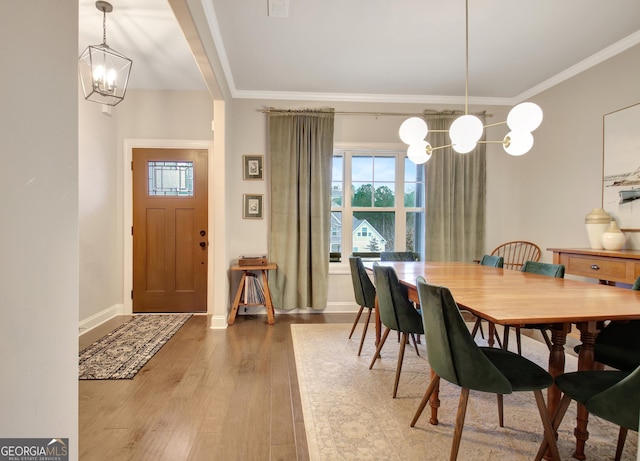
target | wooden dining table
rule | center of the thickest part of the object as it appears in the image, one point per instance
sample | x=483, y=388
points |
x=514, y=298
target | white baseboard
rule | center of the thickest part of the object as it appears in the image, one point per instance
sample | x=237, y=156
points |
x=99, y=318
x=332, y=308
x=218, y=322
x=342, y=307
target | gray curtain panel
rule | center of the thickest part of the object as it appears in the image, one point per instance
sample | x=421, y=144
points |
x=300, y=153
x=455, y=202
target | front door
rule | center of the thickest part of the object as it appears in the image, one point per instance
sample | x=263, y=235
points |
x=170, y=234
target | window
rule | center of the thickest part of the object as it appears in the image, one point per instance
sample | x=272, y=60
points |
x=384, y=207
x=170, y=178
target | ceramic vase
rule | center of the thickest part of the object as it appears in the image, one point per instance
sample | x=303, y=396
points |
x=597, y=222
x=613, y=238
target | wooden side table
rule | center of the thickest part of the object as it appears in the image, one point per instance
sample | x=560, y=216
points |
x=265, y=285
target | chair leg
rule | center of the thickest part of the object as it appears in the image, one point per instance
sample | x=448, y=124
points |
x=457, y=433
x=500, y=409
x=519, y=341
x=364, y=331
x=355, y=322
x=380, y=344
x=622, y=436
x=555, y=424
x=433, y=385
x=403, y=342
x=415, y=343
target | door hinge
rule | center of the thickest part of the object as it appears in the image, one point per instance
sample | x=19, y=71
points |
x=131, y=230
x=131, y=165
x=131, y=294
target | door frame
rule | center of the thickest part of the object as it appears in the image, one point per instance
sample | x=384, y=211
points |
x=129, y=146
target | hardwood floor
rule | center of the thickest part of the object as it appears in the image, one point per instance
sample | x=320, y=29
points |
x=206, y=395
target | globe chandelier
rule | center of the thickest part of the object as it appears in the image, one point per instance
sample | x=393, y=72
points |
x=465, y=131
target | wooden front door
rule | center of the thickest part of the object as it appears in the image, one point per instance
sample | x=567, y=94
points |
x=170, y=234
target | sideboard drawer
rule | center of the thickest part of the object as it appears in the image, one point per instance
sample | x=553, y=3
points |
x=609, y=266
x=600, y=268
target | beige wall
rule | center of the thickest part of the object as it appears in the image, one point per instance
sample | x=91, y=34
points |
x=39, y=224
x=144, y=116
x=542, y=196
x=100, y=260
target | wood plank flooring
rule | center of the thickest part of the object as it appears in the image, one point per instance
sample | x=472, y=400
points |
x=206, y=395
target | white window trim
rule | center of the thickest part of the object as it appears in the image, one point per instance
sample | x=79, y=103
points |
x=347, y=211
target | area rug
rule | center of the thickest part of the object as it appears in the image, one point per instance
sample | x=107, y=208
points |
x=349, y=413
x=124, y=351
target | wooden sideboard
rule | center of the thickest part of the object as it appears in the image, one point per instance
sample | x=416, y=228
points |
x=621, y=266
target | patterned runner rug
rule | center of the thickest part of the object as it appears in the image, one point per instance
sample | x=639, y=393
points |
x=124, y=351
x=349, y=413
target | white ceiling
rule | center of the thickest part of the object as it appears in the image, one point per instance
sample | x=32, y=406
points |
x=372, y=50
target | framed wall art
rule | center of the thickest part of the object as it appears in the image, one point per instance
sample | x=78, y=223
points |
x=252, y=206
x=252, y=166
x=621, y=167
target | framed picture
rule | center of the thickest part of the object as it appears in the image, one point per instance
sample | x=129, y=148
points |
x=252, y=206
x=252, y=166
x=621, y=167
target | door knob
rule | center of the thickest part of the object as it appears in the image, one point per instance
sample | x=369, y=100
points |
x=203, y=244
x=203, y=233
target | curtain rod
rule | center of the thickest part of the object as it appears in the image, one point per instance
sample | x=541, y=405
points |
x=388, y=114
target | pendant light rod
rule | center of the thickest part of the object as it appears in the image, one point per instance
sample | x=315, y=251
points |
x=466, y=72
x=105, y=7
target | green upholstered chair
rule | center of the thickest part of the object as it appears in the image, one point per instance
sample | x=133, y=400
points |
x=491, y=261
x=618, y=344
x=610, y=395
x=365, y=294
x=455, y=357
x=397, y=256
x=397, y=312
x=535, y=267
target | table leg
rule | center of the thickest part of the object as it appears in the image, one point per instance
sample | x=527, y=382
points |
x=492, y=332
x=236, y=301
x=556, y=367
x=267, y=299
x=434, y=401
x=556, y=364
x=588, y=334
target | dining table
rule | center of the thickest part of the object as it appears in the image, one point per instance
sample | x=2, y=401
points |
x=514, y=298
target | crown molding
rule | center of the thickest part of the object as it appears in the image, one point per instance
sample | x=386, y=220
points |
x=376, y=98
x=601, y=56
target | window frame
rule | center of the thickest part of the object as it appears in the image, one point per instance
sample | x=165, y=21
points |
x=348, y=151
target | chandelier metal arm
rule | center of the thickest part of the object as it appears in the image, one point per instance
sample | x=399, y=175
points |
x=495, y=124
x=465, y=131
